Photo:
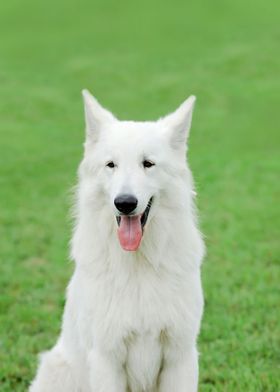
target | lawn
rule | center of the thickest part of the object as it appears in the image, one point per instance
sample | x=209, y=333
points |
x=141, y=60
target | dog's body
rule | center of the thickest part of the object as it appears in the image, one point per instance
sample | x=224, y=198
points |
x=134, y=304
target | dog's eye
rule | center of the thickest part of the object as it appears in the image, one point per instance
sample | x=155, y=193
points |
x=147, y=164
x=110, y=164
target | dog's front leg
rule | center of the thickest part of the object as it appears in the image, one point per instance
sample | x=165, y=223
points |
x=180, y=374
x=106, y=374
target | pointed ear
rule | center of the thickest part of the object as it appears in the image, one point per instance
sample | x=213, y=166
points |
x=178, y=123
x=95, y=115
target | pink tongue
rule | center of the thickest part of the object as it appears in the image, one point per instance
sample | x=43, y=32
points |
x=130, y=232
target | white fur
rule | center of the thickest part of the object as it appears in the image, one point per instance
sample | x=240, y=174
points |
x=131, y=319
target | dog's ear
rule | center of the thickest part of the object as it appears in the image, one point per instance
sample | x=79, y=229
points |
x=95, y=115
x=178, y=123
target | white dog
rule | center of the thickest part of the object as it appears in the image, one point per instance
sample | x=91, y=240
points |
x=134, y=303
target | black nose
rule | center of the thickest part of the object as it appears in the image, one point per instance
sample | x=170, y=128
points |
x=126, y=203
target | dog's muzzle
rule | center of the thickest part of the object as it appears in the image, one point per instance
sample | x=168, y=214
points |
x=131, y=228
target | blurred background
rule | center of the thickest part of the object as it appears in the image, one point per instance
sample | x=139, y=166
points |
x=141, y=60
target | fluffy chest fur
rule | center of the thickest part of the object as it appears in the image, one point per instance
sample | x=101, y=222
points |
x=134, y=313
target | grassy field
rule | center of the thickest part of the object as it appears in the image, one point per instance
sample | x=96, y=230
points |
x=141, y=60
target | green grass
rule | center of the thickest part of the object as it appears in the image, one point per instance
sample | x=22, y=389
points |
x=141, y=60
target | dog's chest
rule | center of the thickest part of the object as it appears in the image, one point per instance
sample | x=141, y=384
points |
x=143, y=361
x=137, y=318
x=131, y=319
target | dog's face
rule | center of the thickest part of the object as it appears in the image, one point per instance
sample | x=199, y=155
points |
x=130, y=165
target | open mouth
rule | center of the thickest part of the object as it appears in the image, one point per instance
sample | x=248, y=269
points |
x=131, y=228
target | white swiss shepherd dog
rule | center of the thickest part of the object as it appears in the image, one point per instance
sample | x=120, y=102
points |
x=134, y=303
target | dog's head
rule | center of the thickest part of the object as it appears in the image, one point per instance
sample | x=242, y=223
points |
x=129, y=167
